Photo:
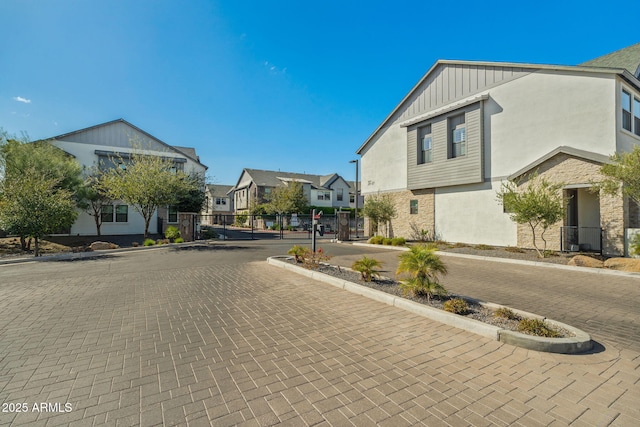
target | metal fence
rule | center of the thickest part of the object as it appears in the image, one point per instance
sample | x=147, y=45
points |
x=251, y=227
x=582, y=239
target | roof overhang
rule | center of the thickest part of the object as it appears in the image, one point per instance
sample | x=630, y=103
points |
x=445, y=109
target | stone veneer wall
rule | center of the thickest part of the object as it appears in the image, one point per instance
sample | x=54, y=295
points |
x=614, y=213
x=401, y=224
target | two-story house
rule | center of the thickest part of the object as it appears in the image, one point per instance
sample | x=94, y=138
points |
x=218, y=207
x=466, y=127
x=254, y=187
x=118, y=139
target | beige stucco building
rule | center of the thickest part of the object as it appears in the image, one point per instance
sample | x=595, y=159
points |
x=466, y=127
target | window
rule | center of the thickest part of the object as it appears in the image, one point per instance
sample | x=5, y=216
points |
x=340, y=194
x=106, y=213
x=352, y=198
x=413, y=207
x=122, y=213
x=206, y=204
x=173, y=214
x=324, y=195
x=626, y=110
x=425, y=145
x=636, y=116
x=458, y=134
x=221, y=200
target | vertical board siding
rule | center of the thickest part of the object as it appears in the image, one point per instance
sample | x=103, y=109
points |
x=451, y=82
x=116, y=134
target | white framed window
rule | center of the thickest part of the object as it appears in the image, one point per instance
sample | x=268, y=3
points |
x=221, y=200
x=426, y=145
x=458, y=138
x=324, y=195
x=636, y=116
x=626, y=110
x=106, y=213
x=340, y=194
x=122, y=213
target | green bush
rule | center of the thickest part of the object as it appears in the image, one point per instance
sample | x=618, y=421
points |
x=506, y=313
x=241, y=220
x=172, y=232
x=162, y=242
x=367, y=268
x=423, y=266
x=635, y=244
x=537, y=327
x=149, y=242
x=376, y=240
x=456, y=305
x=298, y=252
x=398, y=241
x=387, y=241
x=208, y=233
x=179, y=240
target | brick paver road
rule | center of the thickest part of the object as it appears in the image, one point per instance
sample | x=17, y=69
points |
x=214, y=337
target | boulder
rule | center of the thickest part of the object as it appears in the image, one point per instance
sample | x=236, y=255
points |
x=585, y=261
x=99, y=246
x=623, y=264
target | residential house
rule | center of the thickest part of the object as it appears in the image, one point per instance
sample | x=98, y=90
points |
x=443, y=153
x=103, y=143
x=255, y=186
x=218, y=207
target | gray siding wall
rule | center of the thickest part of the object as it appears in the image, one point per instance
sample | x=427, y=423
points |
x=117, y=134
x=451, y=82
x=444, y=171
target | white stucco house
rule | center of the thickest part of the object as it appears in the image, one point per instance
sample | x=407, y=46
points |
x=119, y=138
x=467, y=126
x=218, y=207
x=254, y=186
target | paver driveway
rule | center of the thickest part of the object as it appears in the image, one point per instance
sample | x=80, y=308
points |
x=213, y=337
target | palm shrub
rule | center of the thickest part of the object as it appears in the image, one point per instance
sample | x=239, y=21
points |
x=298, y=252
x=367, y=268
x=423, y=267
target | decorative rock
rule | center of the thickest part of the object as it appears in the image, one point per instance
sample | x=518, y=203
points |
x=99, y=246
x=585, y=261
x=623, y=264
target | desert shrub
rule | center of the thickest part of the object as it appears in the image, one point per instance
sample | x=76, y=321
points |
x=458, y=245
x=514, y=249
x=387, y=241
x=162, y=242
x=376, y=240
x=312, y=260
x=298, y=252
x=549, y=253
x=178, y=240
x=423, y=266
x=420, y=234
x=483, y=247
x=208, y=233
x=149, y=242
x=456, y=305
x=398, y=241
x=172, y=232
x=634, y=245
x=506, y=313
x=537, y=327
x=367, y=268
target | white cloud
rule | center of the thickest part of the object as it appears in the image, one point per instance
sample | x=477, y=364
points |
x=21, y=99
x=274, y=69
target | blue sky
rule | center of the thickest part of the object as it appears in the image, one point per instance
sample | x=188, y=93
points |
x=279, y=85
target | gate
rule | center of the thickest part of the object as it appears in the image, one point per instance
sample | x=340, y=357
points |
x=254, y=227
x=584, y=239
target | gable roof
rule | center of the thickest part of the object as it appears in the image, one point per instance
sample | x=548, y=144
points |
x=582, y=154
x=623, y=59
x=265, y=178
x=627, y=58
x=184, y=151
x=217, y=189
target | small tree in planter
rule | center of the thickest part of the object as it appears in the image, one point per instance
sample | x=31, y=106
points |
x=423, y=266
x=367, y=268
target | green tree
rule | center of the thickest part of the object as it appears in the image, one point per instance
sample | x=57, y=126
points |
x=622, y=175
x=194, y=198
x=93, y=195
x=38, y=182
x=146, y=182
x=34, y=205
x=380, y=210
x=288, y=199
x=423, y=266
x=539, y=204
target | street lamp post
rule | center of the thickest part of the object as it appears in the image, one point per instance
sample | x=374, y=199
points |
x=356, y=162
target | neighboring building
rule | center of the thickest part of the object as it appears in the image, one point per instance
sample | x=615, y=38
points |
x=444, y=151
x=254, y=187
x=118, y=138
x=218, y=208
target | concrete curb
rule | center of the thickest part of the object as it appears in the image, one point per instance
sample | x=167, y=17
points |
x=514, y=261
x=578, y=344
x=70, y=256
